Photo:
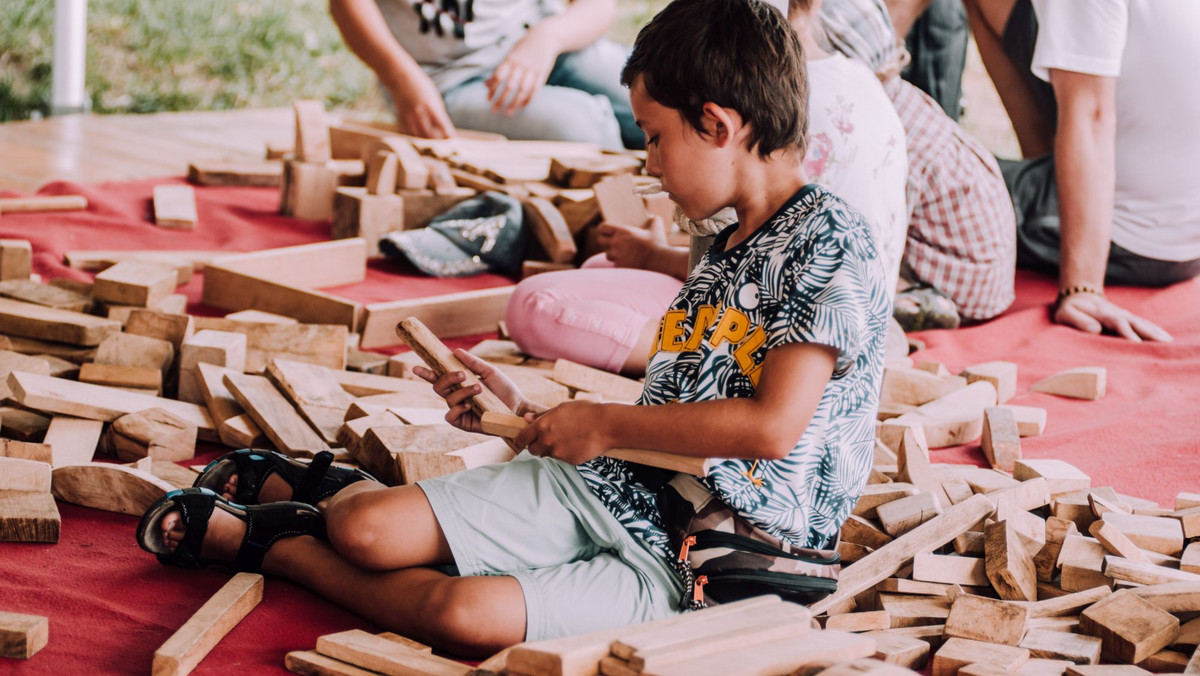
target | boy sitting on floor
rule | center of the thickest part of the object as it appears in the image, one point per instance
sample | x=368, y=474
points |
x=771, y=356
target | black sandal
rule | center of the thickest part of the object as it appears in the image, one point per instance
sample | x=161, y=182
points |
x=265, y=524
x=311, y=482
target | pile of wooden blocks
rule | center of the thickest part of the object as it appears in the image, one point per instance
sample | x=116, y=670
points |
x=370, y=181
x=763, y=636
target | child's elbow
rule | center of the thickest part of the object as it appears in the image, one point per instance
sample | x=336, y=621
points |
x=770, y=446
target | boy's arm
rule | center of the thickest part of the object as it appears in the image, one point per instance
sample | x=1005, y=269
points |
x=528, y=64
x=420, y=110
x=765, y=426
x=1085, y=168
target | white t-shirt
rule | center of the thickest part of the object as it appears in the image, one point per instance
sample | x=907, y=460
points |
x=1152, y=47
x=457, y=40
x=856, y=150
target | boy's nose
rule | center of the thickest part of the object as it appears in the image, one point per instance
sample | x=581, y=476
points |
x=652, y=164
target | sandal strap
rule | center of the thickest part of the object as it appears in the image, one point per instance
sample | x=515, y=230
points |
x=307, y=488
x=195, y=506
x=266, y=524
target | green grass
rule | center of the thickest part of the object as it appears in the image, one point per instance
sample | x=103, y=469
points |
x=161, y=55
x=158, y=55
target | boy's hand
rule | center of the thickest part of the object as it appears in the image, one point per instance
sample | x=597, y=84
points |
x=458, y=398
x=569, y=432
x=630, y=247
x=420, y=110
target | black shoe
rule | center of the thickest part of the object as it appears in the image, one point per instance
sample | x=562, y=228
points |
x=265, y=524
x=311, y=482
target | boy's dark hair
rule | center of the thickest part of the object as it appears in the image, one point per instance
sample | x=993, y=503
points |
x=738, y=54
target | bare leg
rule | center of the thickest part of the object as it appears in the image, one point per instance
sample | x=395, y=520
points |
x=467, y=616
x=987, y=18
x=392, y=532
x=904, y=14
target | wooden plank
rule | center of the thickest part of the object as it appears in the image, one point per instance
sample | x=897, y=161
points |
x=323, y=344
x=454, y=314
x=580, y=377
x=357, y=213
x=153, y=433
x=231, y=290
x=313, y=663
x=95, y=402
x=273, y=413
x=112, y=488
x=507, y=426
x=21, y=636
x=1009, y=568
x=175, y=207
x=887, y=560
x=1155, y=534
x=262, y=174
x=73, y=441
x=375, y=653
x=983, y=619
x=135, y=283
x=19, y=474
x=26, y=450
x=1001, y=440
x=1061, y=477
x=550, y=229
x=28, y=516
x=441, y=360
x=312, y=131
x=405, y=454
x=585, y=172
x=319, y=398
x=660, y=649
x=16, y=205
x=43, y=323
x=1086, y=382
x=304, y=266
x=95, y=261
x=125, y=377
x=776, y=657
x=16, y=259
x=29, y=291
x=216, y=618
x=964, y=570
x=1130, y=627
x=956, y=653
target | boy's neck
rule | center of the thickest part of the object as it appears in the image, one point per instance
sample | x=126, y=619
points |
x=767, y=186
x=805, y=26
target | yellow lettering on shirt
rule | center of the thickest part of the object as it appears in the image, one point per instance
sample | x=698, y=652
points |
x=705, y=316
x=733, y=327
x=671, y=333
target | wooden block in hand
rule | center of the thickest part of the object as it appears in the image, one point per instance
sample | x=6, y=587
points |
x=22, y=635
x=1130, y=627
x=175, y=207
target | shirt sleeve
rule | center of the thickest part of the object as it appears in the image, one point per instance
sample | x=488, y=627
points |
x=1082, y=36
x=834, y=286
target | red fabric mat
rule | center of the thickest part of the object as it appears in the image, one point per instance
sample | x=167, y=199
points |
x=110, y=605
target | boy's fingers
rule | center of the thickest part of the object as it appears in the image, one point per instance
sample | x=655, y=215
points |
x=463, y=395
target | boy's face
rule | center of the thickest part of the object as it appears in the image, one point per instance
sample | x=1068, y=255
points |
x=689, y=164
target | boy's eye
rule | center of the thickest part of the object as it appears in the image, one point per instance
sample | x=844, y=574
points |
x=653, y=140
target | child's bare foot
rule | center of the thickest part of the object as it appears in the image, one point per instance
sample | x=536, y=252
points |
x=274, y=489
x=221, y=540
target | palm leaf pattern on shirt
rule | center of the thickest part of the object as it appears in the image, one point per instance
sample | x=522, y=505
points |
x=811, y=274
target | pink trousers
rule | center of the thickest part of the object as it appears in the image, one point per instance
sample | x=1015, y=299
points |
x=593, y=315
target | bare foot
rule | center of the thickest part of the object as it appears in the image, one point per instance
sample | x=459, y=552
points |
x=274, y=489
x=221, y=540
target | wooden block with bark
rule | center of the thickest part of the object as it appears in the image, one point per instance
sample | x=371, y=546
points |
x=27, y=509
x=406, y=454
x=585, y=172
x=152, y=433
x=175, y=207
x=109, y=487
x=173, y=328
x=550, y=229
x=1008, y=566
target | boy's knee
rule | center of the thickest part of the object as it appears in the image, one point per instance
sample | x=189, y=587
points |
x=356, y=524
x=532, y=311
x=452, y=611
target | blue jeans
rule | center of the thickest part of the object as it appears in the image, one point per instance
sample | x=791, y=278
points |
x=583, y=100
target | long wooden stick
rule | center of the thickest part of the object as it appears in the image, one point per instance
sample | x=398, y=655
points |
x=221, y=613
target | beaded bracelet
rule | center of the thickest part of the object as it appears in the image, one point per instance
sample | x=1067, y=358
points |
x=1074, y=289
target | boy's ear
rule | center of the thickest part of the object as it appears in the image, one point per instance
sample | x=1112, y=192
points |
x=723, y=125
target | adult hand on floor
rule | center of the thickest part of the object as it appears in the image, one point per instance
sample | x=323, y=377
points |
x=630, y=247
x=458, y=397
x=420, y=110
x=1093, y=313
x=522, y=73
x=569, y=432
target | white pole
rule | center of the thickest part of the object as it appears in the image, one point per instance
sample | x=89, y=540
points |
x=70, y=57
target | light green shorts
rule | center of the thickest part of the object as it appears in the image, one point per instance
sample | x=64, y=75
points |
x=536, y=520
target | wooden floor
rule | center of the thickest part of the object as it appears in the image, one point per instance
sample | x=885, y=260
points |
x=95, y=148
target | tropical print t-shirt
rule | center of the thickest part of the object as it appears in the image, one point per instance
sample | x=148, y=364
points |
x=810, y=274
